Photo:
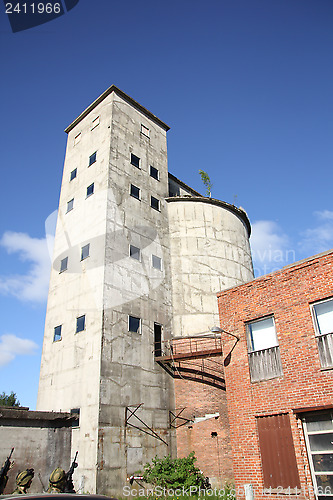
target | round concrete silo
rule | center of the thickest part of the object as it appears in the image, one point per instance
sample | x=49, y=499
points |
x=210, y=251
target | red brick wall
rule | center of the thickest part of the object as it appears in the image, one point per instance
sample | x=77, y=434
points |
x=286, y=294
x=213, y=453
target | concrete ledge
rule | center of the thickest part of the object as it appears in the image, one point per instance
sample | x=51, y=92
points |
x=239, y=212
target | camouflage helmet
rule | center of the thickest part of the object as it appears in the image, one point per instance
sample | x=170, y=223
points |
x=23, y=478
x=57, y=476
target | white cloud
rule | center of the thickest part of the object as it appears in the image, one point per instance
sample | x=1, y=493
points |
x=270, y=247
x=319, y=238
x=12, y=346
x=33, y=285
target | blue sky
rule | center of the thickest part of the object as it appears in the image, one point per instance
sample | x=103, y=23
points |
x=246, y=87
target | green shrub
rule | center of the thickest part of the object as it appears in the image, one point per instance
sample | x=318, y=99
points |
x=174, y=472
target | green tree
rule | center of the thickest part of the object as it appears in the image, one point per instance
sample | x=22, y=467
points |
x=9, y=400
x=174, y=473
x=207, y=182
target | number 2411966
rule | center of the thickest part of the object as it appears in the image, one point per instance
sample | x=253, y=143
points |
x=33, y=8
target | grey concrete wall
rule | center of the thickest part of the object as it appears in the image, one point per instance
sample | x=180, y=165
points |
x=210, y=251
x=40, y=444
x=129, y=374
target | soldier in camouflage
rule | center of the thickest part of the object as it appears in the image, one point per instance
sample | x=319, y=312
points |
x=23, y=481
x=57, y=481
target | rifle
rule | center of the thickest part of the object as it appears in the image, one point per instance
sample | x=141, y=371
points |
x=4, y=471
x=69, y=488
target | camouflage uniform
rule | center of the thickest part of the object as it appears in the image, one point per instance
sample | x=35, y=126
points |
x=57, y=481
x=23, y=481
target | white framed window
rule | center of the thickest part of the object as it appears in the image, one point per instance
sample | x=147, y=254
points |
x=57, y=333
x=73, y=174
x=263, y=349
x=92, y=158
x=63, y=265
x=80, y=323
x=90, y=190
x=135, y=252
x=322, y=314
x=77, y=139
x=318, y=432
x=145, y=130
x=134, y=324
x=135, y=192
x=95, y=123
x=70, y=205
x=156, y=262
x=262, y=334
x=85, y=250
x=135, y=160
x=154, y=173
x=155, y=203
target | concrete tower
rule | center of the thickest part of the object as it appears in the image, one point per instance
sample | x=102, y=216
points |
x=138, y=257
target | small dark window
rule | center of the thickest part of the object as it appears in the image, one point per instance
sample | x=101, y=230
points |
x=90, y=190
x=154, y=173
x=70, y=205
x=157, y=339
x=134, y=324
x=135, y=192
x=135, y=252
x=135, y=160
x=64, y=264
x=73, y=174
x=85, y=251
x=75, y=412
x=157, y=262
x=57, y=333
x=154, y=203
x=80, y=323
x=92, y=158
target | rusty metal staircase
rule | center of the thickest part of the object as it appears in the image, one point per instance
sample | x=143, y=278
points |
x=197, y=358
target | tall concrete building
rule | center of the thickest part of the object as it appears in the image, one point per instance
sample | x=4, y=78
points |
x=138, y=259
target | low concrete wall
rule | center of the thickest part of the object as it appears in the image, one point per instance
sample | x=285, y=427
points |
x=42, y=440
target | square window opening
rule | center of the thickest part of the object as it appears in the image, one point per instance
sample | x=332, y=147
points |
x=80, y=323
x=70, y=205
x=322, y=313
x=73, y=174
x=155, y=203
x=64, y=264
x=145, y=131
x=135, y=252
x=90, y=190
x=77, y=139
x=75, y=412
x=135, y=160
x=135, y=192
x=95, y=123
x=263, y=350
x=134, y=324
x=154, y=173
x=157, y=262
x=57, y=333
x=92, y=158
x=85, y=251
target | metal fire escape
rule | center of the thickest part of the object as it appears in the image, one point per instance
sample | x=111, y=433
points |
x=197, y=358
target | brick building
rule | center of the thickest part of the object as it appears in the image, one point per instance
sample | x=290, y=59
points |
x=280, y=380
